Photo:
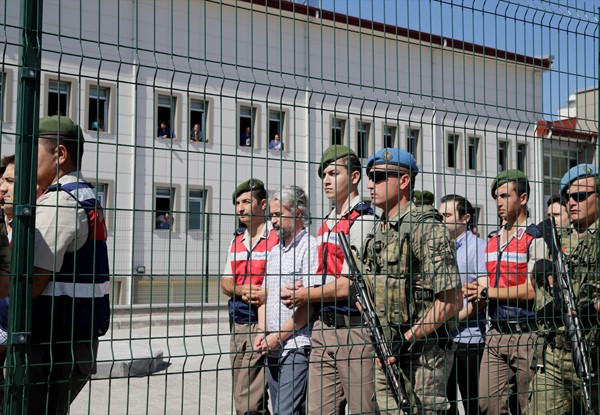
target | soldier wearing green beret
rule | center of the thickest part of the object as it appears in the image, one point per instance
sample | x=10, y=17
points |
x=70, y=261
x=558, y=389
x=423, y=198
x=341, y=366
x=511, y=254
x=242, y=281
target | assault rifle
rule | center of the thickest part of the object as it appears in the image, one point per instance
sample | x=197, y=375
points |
x=564, y=300
x=382, y=348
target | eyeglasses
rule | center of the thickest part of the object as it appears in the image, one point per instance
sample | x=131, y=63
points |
x=580, y=196
x=378, y=175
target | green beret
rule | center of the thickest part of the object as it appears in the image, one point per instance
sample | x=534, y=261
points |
x=248, y=186
x=423, y=198
x=55, y=126
x=509, y=176
x=333, y=153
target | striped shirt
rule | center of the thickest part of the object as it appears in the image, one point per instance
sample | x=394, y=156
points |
x=285, y=265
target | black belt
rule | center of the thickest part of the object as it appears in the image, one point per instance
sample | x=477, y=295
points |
x=340, y=319
x=506, y=327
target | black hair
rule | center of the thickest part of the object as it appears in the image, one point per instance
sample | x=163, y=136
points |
x=463, y=207
x=557, y=199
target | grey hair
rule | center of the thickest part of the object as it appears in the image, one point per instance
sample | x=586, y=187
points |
x=292, y=197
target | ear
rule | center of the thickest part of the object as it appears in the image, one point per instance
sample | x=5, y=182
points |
x=62, y=154
x=263, y=205
x=523, y=199
x=355, y=177
x=405, y=182
x=467, y=217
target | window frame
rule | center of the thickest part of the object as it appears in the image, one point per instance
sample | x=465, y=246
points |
x=409, y=139
x=522, y=145
x=72, y=98
x=394, y=135
x=6, y=95
x=254, y=125
x=109, y=121
x=477, y=143
x=173, y=205
x=367, y=132
x=507, y=159
x=207, y=127
x=203, y=215
x=283, y=127
x=175, y=120
x=457, y=154
x=333, y=118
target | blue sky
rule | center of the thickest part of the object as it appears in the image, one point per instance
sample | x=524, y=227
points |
x=567, y=30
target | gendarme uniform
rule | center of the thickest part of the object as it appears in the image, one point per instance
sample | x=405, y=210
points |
x=557, y=389
x=409, y=258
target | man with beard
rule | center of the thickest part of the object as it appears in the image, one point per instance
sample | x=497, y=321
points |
x=284, y=334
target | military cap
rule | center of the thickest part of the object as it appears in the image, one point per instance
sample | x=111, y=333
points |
x=509, y=176
x=52, y=127
x=248, y=186
x=394, y=156
x=581, y=171
x=333, y=153
x=423, y=198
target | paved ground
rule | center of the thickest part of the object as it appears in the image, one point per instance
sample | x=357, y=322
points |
x=191, y=376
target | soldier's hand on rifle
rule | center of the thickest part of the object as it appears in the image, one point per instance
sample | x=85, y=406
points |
x=294, y=295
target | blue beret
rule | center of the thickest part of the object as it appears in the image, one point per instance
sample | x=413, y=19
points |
x=580, y=171
x=394, y=156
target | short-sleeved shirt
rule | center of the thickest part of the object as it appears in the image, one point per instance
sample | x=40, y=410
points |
x=470, y=259
x=285, y=265
x=61, y=226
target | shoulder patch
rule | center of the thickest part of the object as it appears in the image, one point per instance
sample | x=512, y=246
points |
x=493, y=233
x=364, y=209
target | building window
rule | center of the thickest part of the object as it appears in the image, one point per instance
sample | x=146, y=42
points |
x=58, y=97
x=196, y=203
x=198, y=110
x=166, y=108
x=557, y=160
x=276, y=119
x=98, y=108
x=247, y=126
x=522, y=157
x=163, y=207
x=502, y=155
x=389, y=136
x=412, y=142
x=452, y=150
x=476, y=220
x=101, y=193
x=362, y=139
x=337, y=131
x=473, y=153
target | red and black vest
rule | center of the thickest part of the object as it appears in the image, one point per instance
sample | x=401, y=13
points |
x=508, y=268
x=249, y=267
x=75, y=304
x=331, y=256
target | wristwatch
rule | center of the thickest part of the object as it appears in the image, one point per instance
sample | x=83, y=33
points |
x=483, y=295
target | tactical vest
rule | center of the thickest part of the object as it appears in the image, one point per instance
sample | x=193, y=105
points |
x=249, y=267
x=331, y=257
x=402, y=296
x=508, y=268
x=75, y=304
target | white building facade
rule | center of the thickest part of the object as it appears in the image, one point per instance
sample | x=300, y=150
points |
x=312, y=77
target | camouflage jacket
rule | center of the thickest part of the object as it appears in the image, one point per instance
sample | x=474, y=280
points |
x=408, y=259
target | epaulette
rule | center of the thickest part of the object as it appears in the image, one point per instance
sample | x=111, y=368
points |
x=492, y=234
x=239, y=231
x=533, y=230
x=363, y=208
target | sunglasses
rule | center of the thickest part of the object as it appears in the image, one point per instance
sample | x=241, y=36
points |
x=579, y=196
x=378, y=175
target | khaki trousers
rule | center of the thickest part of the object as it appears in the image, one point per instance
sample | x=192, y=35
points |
x=507, y=359
x=341, y=370
x=249, y=381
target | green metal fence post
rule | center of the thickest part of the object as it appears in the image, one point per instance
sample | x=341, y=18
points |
x=25, y=195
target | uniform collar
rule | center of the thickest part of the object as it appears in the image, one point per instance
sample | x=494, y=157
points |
x=267, y=227
x=521, y=230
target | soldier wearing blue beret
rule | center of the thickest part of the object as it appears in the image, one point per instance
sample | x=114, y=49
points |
x=413, y=235
x=579, y=186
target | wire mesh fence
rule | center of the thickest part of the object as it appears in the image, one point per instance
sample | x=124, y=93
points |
x=383, y=116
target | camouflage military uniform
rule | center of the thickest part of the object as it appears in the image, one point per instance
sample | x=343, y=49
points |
x=409, y=259
x=557, y=388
